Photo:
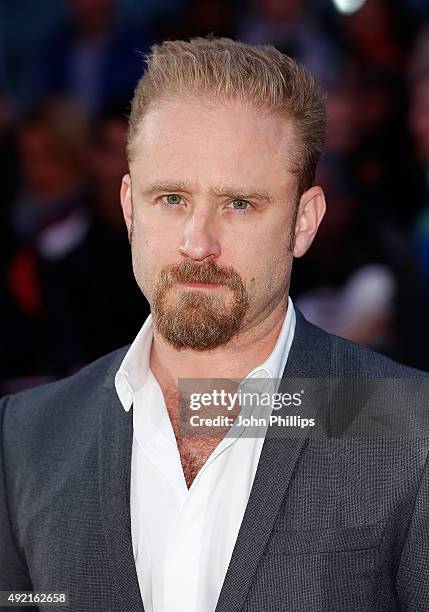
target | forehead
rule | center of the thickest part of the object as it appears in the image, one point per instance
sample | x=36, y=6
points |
x=197, y=140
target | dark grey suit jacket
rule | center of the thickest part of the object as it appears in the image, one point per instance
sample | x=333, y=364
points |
x=332, y=523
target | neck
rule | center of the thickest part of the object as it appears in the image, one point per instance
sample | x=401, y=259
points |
x=234, y=360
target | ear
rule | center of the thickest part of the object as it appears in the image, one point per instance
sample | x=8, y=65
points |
x=311, y=209
x=126, y=203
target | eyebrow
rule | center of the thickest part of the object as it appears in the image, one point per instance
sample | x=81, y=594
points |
x=249, y=193
x=160, y=186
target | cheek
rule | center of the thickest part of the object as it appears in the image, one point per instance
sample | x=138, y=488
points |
x=272, y=261
x=263, y=247
x=153, y=249
x=261, y=258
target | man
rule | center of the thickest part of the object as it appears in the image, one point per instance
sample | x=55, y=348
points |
x=105, y=498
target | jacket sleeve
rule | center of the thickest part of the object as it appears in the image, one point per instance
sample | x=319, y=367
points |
x=13, y=570
x=413, y=573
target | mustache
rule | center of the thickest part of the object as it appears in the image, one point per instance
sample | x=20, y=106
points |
x=206, y=272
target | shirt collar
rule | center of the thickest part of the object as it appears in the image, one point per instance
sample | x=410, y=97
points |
x=134, y=369
x=273, y=367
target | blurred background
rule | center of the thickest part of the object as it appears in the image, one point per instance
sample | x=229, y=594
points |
x=67, y=73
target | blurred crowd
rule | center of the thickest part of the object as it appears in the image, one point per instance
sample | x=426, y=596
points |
x=67, y=73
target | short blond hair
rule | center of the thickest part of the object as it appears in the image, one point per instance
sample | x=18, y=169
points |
x=224, y=69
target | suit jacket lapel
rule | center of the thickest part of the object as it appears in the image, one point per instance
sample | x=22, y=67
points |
x=309, y=357
x=115, y=446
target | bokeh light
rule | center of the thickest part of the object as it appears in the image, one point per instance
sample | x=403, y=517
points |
x=348, y=6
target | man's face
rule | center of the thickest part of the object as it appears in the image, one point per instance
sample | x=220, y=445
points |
x=209, y=209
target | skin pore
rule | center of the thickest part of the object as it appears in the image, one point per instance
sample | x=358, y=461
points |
x=209, y=184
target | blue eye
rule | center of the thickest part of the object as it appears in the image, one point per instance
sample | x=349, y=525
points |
x=172, y=199
x=241, y=205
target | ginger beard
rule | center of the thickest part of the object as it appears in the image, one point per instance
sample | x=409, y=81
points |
x=195, y=319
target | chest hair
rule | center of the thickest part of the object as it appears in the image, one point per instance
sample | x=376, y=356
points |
x=193, y=455
x=193, y=450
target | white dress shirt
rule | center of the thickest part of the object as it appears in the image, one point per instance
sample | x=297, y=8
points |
x=183, y=538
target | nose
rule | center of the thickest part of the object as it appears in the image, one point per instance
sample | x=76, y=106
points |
x=199, y=239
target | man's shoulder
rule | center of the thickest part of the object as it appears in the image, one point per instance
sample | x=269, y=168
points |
x=71, y=392
x=49, y=431
x=347, y=358
x=352, y=359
